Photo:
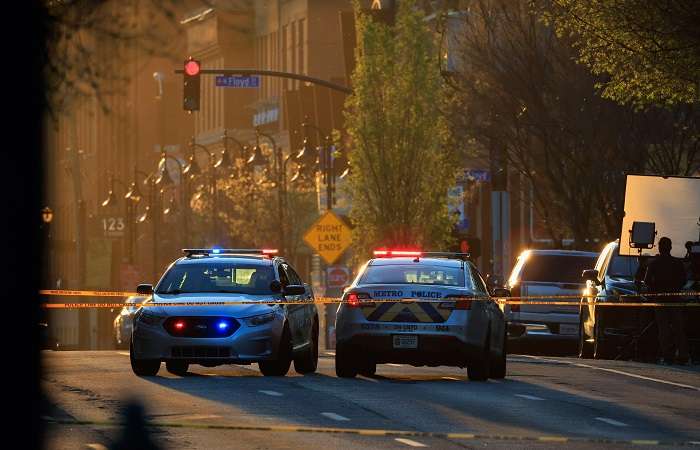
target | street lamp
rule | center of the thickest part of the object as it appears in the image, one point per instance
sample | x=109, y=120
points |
x=46, y=215
x=280, y=179
x=227, y=158
x=46, y=218
x=324, y=159
x=192, y=169
x=164, y=180
x=111, y=201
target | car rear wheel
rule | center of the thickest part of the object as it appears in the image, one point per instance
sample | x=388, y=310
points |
x=143, y=367
x=478, y=369
x=344, y=363
x=280, y=366
x=498, y=366
x=177, y=367
x=307, y=361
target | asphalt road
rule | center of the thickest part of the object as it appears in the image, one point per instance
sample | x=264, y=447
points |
x=545, y=402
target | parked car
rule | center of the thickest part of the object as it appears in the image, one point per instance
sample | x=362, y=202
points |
x=544, y=273
x=124, y=321
x=605, y=332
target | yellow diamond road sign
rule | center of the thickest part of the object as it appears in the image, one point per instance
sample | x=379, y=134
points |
x=329, y=236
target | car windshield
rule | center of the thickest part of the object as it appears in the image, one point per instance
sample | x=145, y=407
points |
x=218, y=277
x=623, y=266
x=556, y=268
x=412, y=274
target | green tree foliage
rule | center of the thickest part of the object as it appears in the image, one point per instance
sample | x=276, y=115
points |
x=649, y=50
x=401, y=164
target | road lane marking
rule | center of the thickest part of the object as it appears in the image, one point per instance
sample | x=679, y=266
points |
x=460, y=436
x=402, y=433
x=451, y=378
x=410, y=442
x=272, y=393
x=200, y=417
x=529, y=397
x=372, y=432
x=335, y=416
x=619, y=372
x=394, y=365
x=123, y=353
x=96, y=446
x=553, y=439
x=612, y=421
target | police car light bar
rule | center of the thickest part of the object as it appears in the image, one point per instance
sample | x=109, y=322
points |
x=189, y=252
x=418, y=254
x=390, y=253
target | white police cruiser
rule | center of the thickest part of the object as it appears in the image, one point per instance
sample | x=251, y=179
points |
x=383, y=320
x=272, y=335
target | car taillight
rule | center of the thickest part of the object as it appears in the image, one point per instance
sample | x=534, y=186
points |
x=355, y=299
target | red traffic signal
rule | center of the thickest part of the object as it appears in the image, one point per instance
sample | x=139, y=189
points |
x=191, y=85
x=192, y=67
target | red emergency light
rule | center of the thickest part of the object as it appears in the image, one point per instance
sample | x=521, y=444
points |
x=390, y=253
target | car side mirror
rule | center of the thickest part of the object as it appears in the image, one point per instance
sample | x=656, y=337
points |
x=294, y=289
x=501, y=292
x=144, y=289
x=590, y=275
x=275, y=286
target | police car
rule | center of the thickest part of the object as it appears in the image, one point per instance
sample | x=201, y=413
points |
x=271, y=335
x=423, y=309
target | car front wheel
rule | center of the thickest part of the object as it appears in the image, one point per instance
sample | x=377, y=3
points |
x=143, y=367
x=307, y=361
x=280, y=366
x=585, y=349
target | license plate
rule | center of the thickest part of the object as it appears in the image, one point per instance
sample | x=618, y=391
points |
x=405, y=340
x=568, y=329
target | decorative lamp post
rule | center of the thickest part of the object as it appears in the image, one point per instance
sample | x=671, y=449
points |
x=193, y=169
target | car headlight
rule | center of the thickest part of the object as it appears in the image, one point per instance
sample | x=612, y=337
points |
x=147, y=317
x=260, y=320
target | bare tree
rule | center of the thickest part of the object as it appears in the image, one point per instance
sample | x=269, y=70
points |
x=91, y=44
x=521, y=91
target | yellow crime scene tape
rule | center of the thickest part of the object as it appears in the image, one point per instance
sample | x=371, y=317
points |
x=379, y=432
x=520, y=300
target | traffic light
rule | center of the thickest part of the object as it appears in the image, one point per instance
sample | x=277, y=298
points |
x=191, y=85
x=467, y=244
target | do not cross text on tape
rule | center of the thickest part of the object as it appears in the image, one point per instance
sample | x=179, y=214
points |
x=329, y=236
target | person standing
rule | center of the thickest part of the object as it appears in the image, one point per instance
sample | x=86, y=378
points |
x=666, y=274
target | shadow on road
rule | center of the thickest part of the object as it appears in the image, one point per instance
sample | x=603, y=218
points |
x=419, y=400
